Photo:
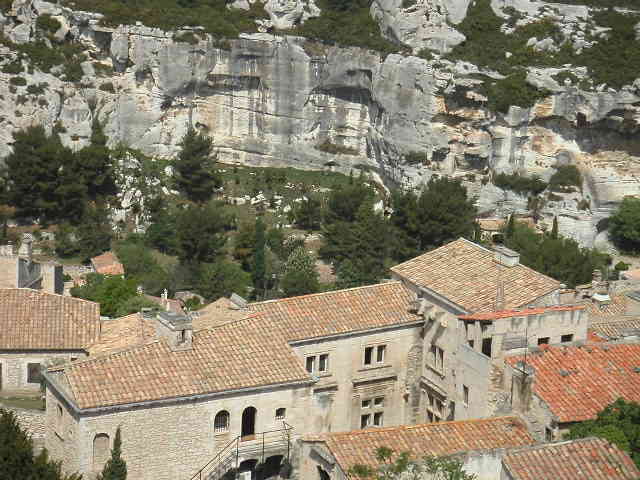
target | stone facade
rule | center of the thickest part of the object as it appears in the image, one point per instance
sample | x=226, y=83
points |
x=14, y=367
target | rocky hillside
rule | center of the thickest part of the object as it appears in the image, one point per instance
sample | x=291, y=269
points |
x=283, y=100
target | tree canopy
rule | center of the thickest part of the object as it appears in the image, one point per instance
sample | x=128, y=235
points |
x=300, y=276
x=194, y=168
x=115, y=468
x=624, y=225
x=619, y=423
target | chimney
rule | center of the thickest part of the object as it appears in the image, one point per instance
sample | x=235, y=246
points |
x=165, y=300
x=505, y=257
x=176, y=329
x=26, y=247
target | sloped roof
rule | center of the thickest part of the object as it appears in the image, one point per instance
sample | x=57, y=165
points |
x=174, y=305
x=37, y=320
x=249, y=352
x=578, y=382
x=221, y=311
x=124, y=332
x=359, y=447
x=468, y=275
x=232, y=356
x=520, y=313
x=619, y=328
x=588, y=458
x=614, y=309
x=341, y=311
x=107, y=264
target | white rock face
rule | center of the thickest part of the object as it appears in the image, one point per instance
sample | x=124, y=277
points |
x=271, y=100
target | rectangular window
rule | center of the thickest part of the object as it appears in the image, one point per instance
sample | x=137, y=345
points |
x=543, y=341
x=548, y=434
x=323, y=362
x=311, y=364
x=440, y=359
x=366, y=403
x=471, y=343
x=465, y=394
x=377, y=419
x=378, y=402
x=429, y=416
x=33, y=373
x=486, y=346
x=567, y=338
x=365, y=420
x=381, y=351
x=368, y=355
x=437, y=358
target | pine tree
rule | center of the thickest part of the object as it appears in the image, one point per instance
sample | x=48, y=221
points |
x=300, y=275
x=194, y=172
x=511, y=226
x=200, y=232
x=115, y=468
x=95, y=165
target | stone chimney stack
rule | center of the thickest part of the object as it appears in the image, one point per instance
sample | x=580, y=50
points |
x=176, y=329
x=26, y=247
x=165, y=300
x=505, y=257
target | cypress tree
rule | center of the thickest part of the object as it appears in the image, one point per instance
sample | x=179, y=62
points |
x=511, y=227
x=115, y=468
x=554, y=229
x=259, y=263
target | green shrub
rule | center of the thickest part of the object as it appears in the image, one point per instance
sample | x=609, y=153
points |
x=18, y=81
x=102, y=70
x=334, y=149
x=43, y=102
x=565, y=178
x=48, y=24
x=519, y=184
x=187, y=37
x=512, y=90
x=562, y=76
x=13, y=68
x=73, y=70
x=107, y=87
x=34, y=89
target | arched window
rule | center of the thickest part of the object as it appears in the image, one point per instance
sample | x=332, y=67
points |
x=221, y=422
x=281, y=413
x=100, y=450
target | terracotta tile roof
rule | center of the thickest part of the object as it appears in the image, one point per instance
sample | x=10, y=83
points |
x=107, y=264
x=490, y=224
x=588, y=458
x=239, y=354
x=594, y=337
x=620, y=328
x=232, y=356
x=121, y=333
x=36, y=320
x=616, y=308
x=217, y=313
x=467, y=275
x=174, y=305
x=578, y=382
x=520, y=313
x=358, y=447
x=341, y=311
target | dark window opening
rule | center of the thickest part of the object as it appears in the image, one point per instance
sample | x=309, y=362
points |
x=323, y=364
x=221, y=422
x=543, y=341
x=311, y=364
x=377, y=419
x=33, y=373
x=486, y=346
x=322, y=474
x=465, y=394
x=381, y=351
x=281, y=413
x=248, y=423
x=368, y=355
x=471, y=343
x=567, y=338
x=365, y=420
x=548, y=434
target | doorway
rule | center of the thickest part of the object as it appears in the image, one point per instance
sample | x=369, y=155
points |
x=248, y=423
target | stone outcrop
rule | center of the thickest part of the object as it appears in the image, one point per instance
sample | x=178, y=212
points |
x=270, y=100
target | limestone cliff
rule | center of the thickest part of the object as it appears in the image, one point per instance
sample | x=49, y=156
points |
x=270, y=100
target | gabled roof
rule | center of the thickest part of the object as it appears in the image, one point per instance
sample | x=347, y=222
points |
x=468, y=275
x=107, y=264
x=233, y=356
x=221, y=311
x=124, y=332
x=578, y=382
x=615, y=308
x=246, y=353
x=341, y=311
x=37, y=320
x=588, y=458
x=359, y=447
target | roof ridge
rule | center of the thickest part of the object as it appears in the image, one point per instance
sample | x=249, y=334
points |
x=423, y=425
x=330, y=292
x=436, y=249
x=108, y=355
x=42, y=292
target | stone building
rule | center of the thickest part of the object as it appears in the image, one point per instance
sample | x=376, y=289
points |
x=427, y=346
x=39, y=328
x=557, y=386
x=20, y=270
x=478, y=305
x=492, y=449
x=479, y=444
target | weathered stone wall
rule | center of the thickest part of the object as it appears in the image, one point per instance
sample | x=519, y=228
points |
x=13, y=366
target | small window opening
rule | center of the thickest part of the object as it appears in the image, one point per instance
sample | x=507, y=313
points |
x=281, y=413
x=543, y=341
x=365, y=420
x=486, y=346
x=221, y=422
x=311, y=364
x=377, y=419
x=368, y=355
x=465, y=394
x=366, y=403
x=381, y=351
x=323, y=363
x=378, y=401
x=567, y=338
x=33, y=373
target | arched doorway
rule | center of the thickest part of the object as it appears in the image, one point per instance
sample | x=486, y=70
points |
x=248, y=423
x=247, y=469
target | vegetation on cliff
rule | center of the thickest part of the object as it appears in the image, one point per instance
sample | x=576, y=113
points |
x=624, y=225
